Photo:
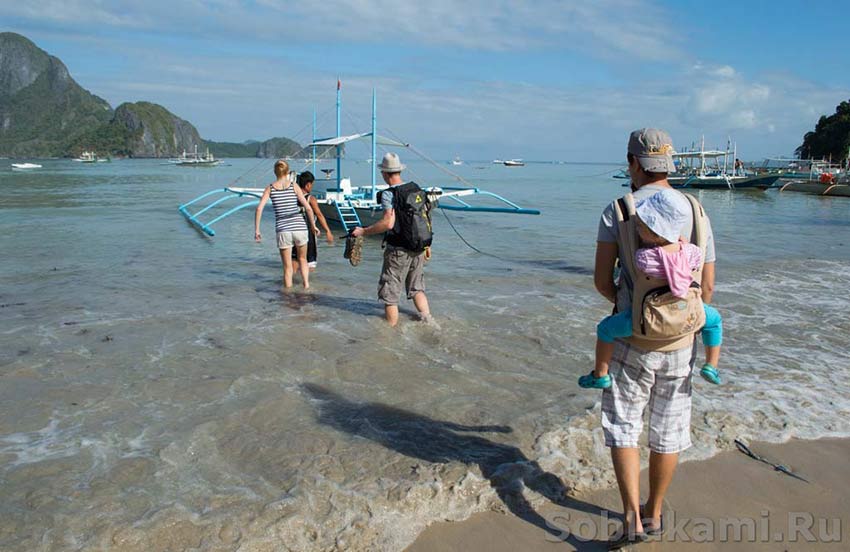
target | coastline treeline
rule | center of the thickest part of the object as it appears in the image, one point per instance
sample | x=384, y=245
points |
x=831, y=137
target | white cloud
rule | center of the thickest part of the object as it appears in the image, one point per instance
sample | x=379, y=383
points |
x=602, y=28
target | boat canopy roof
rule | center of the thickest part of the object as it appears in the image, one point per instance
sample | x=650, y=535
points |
x=698, y=154
x=339, y=140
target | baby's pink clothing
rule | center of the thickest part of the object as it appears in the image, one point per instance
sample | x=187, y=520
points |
x=675, y=267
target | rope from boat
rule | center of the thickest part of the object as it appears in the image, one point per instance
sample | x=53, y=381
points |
x=469, y=245
x=600, y=174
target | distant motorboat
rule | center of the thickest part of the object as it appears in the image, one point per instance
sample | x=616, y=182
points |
x=497, y=161
x=25, y=166
x=457, y=161
x=514, y=163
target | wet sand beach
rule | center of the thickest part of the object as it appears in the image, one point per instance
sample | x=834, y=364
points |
x=729, y=494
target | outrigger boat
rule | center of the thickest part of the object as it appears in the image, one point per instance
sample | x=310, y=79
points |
x=344, y=204
x=702, y=169
x=195, y=160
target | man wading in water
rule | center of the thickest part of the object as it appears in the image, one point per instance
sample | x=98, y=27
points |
x=654, y=374
x=407, y=222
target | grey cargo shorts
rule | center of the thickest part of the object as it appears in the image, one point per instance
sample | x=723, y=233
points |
x=401, y=268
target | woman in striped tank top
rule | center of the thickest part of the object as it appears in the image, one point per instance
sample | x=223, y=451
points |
x=290, y=224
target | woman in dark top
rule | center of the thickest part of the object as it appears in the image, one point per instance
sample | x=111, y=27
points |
x=305, y=182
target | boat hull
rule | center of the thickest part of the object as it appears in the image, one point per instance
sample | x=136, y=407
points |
x=719, y=183
x=198, y=164
x=809, y=187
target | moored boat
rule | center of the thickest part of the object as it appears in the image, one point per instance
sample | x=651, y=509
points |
x=703, y=169
x=196, y=160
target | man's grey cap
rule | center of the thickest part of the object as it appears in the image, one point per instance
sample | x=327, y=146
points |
x=653, y=149
x=391, y=164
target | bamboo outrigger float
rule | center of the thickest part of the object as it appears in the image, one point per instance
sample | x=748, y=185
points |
x=342, y=203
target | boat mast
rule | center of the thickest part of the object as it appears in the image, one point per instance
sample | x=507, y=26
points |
x=338, y=134
x=374, y=139
x=314, y=140
x=735, y=157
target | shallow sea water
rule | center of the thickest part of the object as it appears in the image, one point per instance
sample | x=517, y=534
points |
x=160, y=391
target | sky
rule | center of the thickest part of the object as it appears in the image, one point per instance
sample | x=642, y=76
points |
x=546, y=80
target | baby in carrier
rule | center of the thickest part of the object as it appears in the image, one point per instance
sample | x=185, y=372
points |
x=664, y=255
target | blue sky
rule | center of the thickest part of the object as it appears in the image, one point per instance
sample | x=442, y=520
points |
x=480, y=79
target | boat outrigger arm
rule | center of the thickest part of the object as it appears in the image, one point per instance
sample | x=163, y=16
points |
x=230, y=193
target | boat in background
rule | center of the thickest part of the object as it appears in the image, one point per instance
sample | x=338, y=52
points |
x=514, y=163
x=87, y=157
x=457, y=161
x=25, y=166
x=807, y=170
x=702, y=169
x=195, y=160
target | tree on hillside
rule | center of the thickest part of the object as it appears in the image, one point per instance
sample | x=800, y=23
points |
x=831, y=137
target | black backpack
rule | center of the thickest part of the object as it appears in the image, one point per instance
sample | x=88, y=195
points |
x=412, y=228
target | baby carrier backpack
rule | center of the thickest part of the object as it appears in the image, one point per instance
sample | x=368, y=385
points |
x=660, y=320
x=412, y=228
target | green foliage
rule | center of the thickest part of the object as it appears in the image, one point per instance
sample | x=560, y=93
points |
x=271, y=148
x=232, y=149
x=112, y=138
x=279, y=147
x=831, y=137
x=48, y=114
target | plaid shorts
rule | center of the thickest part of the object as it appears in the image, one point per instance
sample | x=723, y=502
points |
x=659, y=380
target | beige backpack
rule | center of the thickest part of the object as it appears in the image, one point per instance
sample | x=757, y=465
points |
x=660, y=320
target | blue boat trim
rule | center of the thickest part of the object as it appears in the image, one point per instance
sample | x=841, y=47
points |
x=231, y=194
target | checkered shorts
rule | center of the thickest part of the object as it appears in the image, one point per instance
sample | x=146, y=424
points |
x=660, y=380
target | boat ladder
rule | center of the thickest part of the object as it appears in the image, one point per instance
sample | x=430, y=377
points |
x=347, y=215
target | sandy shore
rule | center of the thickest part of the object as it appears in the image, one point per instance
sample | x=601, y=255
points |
x=753, y=505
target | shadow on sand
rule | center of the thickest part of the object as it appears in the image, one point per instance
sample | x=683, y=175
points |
x=437, y=441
